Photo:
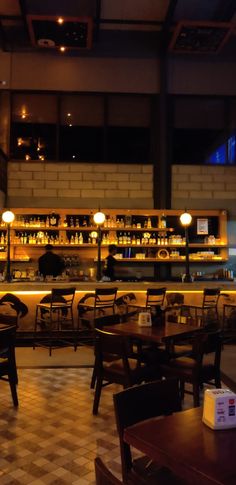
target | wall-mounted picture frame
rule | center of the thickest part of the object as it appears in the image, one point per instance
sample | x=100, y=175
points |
x=202, y=226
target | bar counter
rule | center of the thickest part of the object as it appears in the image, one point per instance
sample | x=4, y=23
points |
x=31, y=292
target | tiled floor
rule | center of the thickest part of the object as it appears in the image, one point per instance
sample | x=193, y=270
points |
x=53, y=438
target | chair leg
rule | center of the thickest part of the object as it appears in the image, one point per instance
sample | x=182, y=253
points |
x=93, y=379
x=196, y=399
x=218, y=381
x=97, y=395
x=182, y=390
x=13, y=390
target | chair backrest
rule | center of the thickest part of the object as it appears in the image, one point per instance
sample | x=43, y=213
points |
x=155, y=296
x=65, y=295
x=143, y=402
x=105, y=297
x=103, y=475
x=206, y=343
x=110, y=347
x=210, y=297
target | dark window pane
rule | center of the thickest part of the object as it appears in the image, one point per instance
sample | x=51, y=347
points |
x=127, y=144
x=81, y=143
x=33, y=141
x=193, y=146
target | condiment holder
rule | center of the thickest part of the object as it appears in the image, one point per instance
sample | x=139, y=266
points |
x=144, y=319
x=219, y=408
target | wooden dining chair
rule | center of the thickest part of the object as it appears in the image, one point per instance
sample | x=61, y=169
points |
x=8, y=370
x=104, y=475
x=113, y=365
x=201, y=366
x=136, y=404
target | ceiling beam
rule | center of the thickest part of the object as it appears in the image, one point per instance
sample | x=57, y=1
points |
x=225, y=11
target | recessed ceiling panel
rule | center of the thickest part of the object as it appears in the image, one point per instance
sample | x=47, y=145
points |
x=199, y=37
x=52, y=32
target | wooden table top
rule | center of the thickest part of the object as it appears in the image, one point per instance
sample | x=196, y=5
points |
x=158, y=334
x=190, y=448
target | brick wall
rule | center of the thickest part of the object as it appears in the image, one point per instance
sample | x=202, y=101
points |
x=39, y=184
x=204, y=187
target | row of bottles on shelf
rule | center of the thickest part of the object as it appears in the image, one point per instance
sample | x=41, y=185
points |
x=54, y=220
x=79, y=238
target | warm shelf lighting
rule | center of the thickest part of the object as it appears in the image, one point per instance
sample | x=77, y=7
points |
x=62, y=48
x=99, y=218
x=185, y=219
x=60, y=20
x=8, y=217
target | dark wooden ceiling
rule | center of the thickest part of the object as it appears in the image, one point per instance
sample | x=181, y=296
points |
x=120, y=28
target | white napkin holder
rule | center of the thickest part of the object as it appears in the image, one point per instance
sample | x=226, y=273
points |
x=144, y=319
x=219, y=409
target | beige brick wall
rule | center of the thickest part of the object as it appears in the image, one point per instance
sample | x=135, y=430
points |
x=38, y=184
x=204, y=187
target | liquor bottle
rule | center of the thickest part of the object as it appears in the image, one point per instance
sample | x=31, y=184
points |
x=149, y=223
x=81, y=239
x=163, y=221
x=84, y=223
x=71, y=222
x=47, y=221
x=76, y=238
x=77, y=222
x=53, y=219
x=65, y=222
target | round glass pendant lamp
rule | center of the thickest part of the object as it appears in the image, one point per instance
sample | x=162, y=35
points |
x=99, y=218
x=8, y=217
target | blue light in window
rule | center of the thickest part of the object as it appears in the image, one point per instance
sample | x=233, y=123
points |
x=218, y=157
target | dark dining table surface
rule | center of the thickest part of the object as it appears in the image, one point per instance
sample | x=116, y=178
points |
x=164, y=333
x=197, y=453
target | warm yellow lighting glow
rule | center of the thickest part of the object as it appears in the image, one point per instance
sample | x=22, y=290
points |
x=8, y=217
x=185, y=219
x=70, y=124
x=62, y=48
x=27, y=157
x=60, y=20
x=23, y=116
x=68, y=114
x=19, y=142
x=99, y=218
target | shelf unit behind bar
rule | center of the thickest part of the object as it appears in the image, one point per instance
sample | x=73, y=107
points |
x=138, y=235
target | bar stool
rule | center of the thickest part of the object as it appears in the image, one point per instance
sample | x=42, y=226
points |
x=155, y=298
x=54, y=321
x=99, y=303
x=207, y=312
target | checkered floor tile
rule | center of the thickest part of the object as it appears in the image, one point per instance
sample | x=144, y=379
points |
x=53, y=438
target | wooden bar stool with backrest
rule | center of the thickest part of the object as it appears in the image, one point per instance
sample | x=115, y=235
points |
x=99, y=304
x=8, y=370
x=155, y=298
x=202, y=366
x=54, y=318
x=206, y=313
x=136, y=404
